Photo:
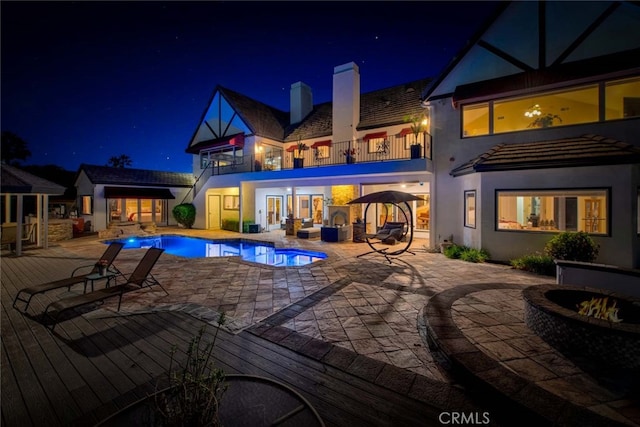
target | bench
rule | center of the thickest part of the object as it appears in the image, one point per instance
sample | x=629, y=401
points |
x=308, y=233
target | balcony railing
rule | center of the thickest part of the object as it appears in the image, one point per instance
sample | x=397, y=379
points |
x=380, y=150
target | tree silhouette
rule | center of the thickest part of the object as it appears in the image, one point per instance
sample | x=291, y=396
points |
x=121, y=161
x=14, y=148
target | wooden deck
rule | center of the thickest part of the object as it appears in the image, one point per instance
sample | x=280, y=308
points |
x=91, y=367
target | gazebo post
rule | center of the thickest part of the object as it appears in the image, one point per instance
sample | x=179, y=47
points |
x=19, y=220
x=44, y=212
x=7, y=207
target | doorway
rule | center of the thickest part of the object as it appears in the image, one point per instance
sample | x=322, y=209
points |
x=274, y=212
x=213, y=209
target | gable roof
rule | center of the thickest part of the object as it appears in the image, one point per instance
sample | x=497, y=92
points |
x=383, y=107
x=262, y=119
x=16, y=181
x=585, y=150
x=141, y=177
x=533, y=40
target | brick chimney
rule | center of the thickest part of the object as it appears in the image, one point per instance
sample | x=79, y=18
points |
x=346, y=101
x=301, y=100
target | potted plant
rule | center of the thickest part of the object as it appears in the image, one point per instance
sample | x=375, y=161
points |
x=298, y=159
x=544, y=121
x=350, y=155
x=418, y=126
x=540, y=119
x=195, y=390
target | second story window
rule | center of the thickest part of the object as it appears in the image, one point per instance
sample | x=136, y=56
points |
x=556, y=108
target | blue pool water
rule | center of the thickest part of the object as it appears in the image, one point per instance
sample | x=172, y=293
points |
x=193, y=247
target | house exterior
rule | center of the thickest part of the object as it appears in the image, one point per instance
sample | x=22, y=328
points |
x=532, y=129
x=107, y=194
x=537, y=130
x=257, y=164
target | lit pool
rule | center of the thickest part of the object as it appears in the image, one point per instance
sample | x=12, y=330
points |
x=193, y=247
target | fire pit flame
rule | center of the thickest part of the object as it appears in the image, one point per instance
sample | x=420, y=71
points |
x=600, y=309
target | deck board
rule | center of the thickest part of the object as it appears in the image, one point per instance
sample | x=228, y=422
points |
x=100, y=362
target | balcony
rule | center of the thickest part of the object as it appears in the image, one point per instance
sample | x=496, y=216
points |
x=391, y=148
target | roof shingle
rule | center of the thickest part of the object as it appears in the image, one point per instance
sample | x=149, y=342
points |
x=585, y=150
x=142, y=177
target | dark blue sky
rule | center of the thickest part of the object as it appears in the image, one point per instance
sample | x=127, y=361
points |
x=84, y=81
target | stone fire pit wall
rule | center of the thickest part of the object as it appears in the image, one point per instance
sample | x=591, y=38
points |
x=612, y=345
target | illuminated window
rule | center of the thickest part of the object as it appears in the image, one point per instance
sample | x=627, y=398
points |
x=470, y=209
x=546, y=110
x=558, y=108
x=321, y=152
x=87, y=205
x=475, y=119
x=553, y=210
x=622, y=99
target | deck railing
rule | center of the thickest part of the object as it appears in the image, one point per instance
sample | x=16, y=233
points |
x=380, y=150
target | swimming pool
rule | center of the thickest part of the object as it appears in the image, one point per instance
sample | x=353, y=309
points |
x=194, y=247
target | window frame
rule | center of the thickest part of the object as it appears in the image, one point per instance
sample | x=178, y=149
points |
x=572, y=191
x=470, y=195
x=85, y=201
x=601, y=105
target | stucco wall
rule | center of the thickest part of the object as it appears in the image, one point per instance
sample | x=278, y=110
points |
x=621, y=248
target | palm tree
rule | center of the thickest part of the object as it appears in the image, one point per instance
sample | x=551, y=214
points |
x=121, y=161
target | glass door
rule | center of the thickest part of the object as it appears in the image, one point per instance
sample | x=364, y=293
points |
x=274, y=211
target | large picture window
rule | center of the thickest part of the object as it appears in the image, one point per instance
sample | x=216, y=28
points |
x=546, y=110
x=553, y=108
x=553, y=210
x=622, y=99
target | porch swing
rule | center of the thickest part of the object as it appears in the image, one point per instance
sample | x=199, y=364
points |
x=391, y=231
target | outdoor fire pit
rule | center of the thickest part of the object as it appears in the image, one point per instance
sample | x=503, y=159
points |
x=607, y=333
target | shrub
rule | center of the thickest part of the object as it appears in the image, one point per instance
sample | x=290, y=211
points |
x=535, y=263
x=185, y=214
x=454, y=251
x=572, y=246
x=474, y=255
x=231, y=225
x=466, y=253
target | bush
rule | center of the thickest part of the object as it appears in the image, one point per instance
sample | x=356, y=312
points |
x=231, y=225
x=466, y=253
x=474, y=255
x=454, y=251
x=535, y=263
x=572, y=246
x=185, y=214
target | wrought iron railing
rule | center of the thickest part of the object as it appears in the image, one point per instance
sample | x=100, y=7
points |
x=339, y=153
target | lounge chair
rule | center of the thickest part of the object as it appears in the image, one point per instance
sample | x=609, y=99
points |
x=109, y=255
x=140, y=278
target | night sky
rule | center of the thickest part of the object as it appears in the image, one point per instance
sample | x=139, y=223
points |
x=84, y=81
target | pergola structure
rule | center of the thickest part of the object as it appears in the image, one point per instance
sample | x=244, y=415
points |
x=15, y=185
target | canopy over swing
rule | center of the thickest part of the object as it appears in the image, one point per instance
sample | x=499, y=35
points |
x=389, y=229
